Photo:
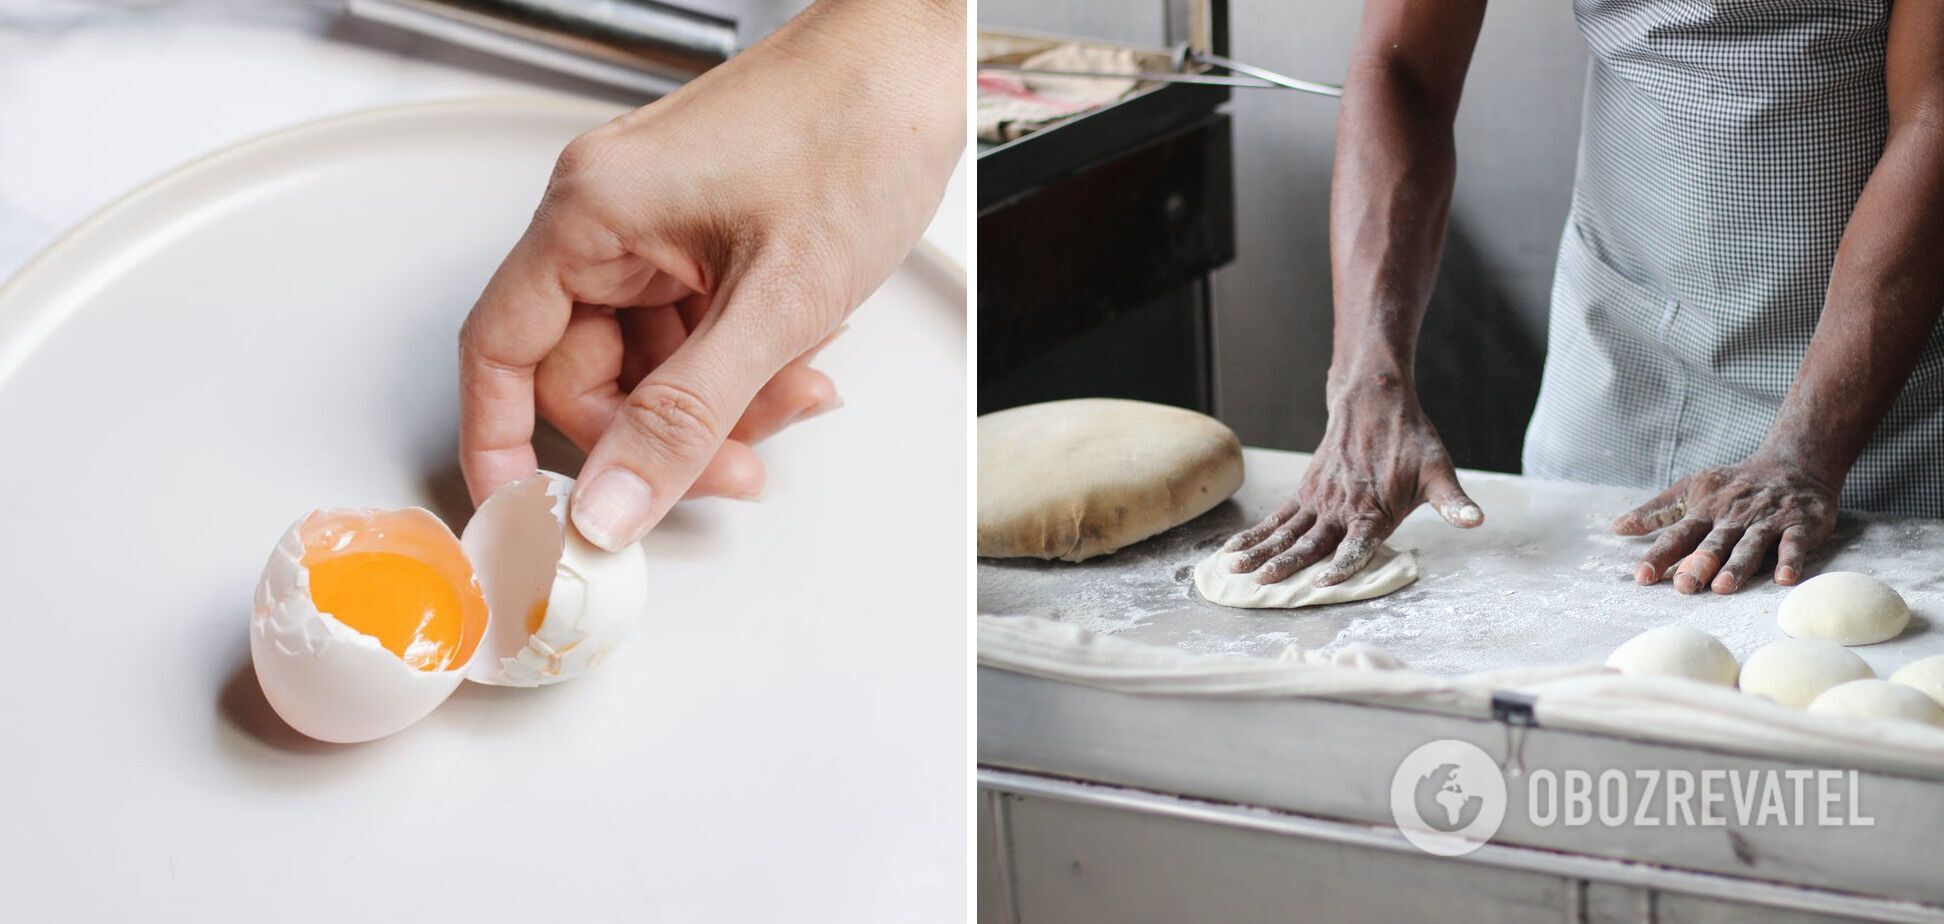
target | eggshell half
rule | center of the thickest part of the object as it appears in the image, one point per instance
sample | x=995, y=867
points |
x=526, y=553
x=326, y=679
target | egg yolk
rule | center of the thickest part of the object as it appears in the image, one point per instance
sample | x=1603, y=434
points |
x=537, y=616
x=405, y=603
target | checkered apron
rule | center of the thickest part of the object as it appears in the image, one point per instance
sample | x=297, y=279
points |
x=1724, y=144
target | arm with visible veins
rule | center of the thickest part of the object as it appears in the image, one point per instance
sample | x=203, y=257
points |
x=1390, y=191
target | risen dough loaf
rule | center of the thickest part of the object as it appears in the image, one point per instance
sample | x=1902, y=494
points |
x=1676, y=651
x=1076, y=479
x=1387, y=571
x=1878, y=699
x=1843, y=607
x=1794, y=671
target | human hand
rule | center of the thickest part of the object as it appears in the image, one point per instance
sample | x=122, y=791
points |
x=1380, y=457
x=689, y=257
x=1721, y=523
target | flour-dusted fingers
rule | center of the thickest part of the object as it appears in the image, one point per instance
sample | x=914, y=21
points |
x=1274, y=544
x=1320, y=541
x=1749, y=552
x=1255, y=534
x=1672, y=546
x=1698, y=567
x=1791, y=554
x=1666, y=509
x=1354, y=552
x=1449, y=499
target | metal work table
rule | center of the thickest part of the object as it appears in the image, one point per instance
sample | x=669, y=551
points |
x=1102, y=805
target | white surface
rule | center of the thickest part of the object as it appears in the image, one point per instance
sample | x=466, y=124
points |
x=1543, y=582
x=272, y=331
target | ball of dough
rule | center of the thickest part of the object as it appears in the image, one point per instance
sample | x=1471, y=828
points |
x=1843, y=607
x=1878, y=699
x=1075, y=479
x=1795, y=671
x=1676, y=651
x=1925, y=675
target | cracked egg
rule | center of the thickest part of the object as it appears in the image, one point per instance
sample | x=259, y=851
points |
x=365, y=620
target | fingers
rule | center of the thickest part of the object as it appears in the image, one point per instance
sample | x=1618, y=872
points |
x=1748, y=555
x=1675, y=543
x=1321, y=540
x=1789, y=556
x=516, y=322
x=671, y=425
x=1448, y=498
x=734, y=472
x=1663, y=511
x=1698, y=568
x=1261, y=531
x=1274, y=544
x=1358, y=545
x=797, y=393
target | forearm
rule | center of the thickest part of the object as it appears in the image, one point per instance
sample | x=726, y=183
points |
x=1886, y=291
x=1391, y=189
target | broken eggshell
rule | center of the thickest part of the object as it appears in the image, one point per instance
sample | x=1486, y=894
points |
x=560, y=604
x=541, y=605
x=327, y=679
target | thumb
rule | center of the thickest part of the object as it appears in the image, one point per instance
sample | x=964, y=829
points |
x=1445, y=495
x=666, y=431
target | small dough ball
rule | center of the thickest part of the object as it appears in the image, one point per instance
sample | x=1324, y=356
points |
x=1075, y=479
x=1878, y=699
x=1795, y=671
x=1843, y=607
x=1676, y=651
x=1926, y=675
x=1360, y=655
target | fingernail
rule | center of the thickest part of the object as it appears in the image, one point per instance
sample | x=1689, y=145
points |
x=1724, y=585
x=1785, y=575
x=612, y=511
x=1644, y=574
x=1686, y=583
x=1470, y=515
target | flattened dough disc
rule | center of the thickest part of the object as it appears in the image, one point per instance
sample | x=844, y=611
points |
x=1389, y=570
x=1075, y=479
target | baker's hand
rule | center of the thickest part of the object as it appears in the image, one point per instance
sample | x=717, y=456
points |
x=1721, y=523
x=689, y=257
x=1380, y=458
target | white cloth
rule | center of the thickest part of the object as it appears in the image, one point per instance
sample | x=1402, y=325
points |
x=1577, y=697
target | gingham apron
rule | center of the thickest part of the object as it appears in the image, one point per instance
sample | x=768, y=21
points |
x=1724, y=145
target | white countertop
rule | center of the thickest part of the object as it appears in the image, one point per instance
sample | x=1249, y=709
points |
x=1543, y=582
x=97, y=96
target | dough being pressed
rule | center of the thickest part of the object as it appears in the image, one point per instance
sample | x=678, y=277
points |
x=1843, y=607
x=1878, y=699
x=1794, y=671
x=1075, y=479
x=1388, y=570
x=1676, y=651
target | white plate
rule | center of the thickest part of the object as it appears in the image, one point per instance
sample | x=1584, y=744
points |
x=271, y=330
